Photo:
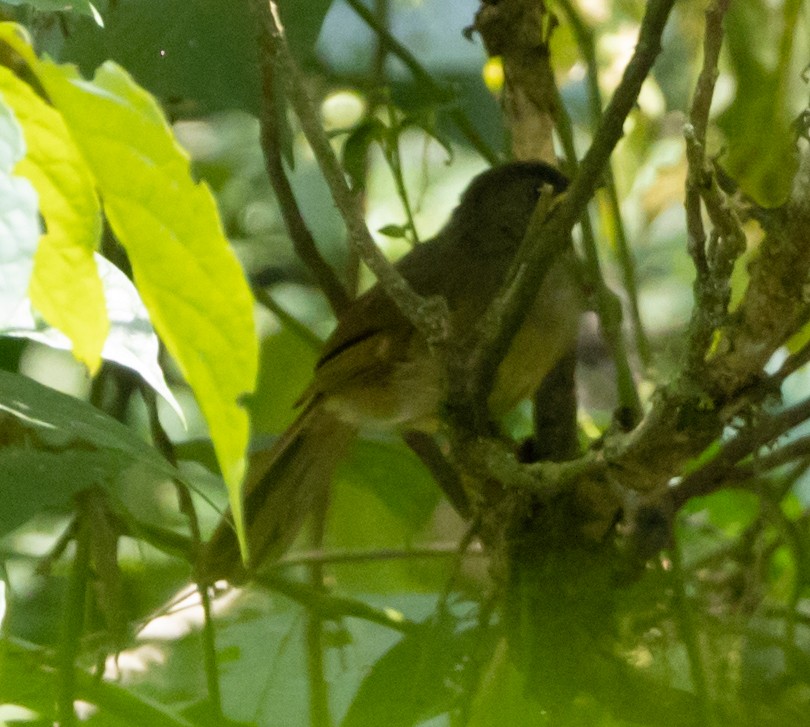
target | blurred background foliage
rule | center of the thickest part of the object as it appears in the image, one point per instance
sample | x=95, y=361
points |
x=390, y=540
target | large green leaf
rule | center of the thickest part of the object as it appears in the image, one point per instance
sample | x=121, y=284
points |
x=273, y=406
x=396, y=476
x=415, y=680
x=187, y=274
x=503, y=697
x=382, y=499
x=56, y=445
x=65, y=286
x=59, y=419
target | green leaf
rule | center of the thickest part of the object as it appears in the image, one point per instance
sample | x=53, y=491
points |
x=413, y=681
x=35, y=480
x=198, y=54
x=56, y=445
x=19, y=219
x=396, y=476
x=395, y=231
x=761, y=149
x=503, y=697
x=383, y=498
x=273, y=406
x=65, y=286
x=799, y=339
x=355, y=149
x=187, y=274
x=303, y=20
x=58, y=419
x=729, y=511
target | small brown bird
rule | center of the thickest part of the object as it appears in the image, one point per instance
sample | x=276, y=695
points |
x=377, y=371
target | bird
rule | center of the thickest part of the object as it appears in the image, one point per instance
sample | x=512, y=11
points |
x=377, y=371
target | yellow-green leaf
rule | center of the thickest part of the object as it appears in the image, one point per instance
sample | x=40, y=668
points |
x=65, y=286
x=185, y=270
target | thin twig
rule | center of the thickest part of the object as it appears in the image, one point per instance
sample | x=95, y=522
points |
x=747, y=442
x=337, y=557
x=186, y=505
x=394, y=160
x=287, y=320
x=73, y=617
x=329, y=606
x=713, y=262
x=446, y=475
x=318, y=688
x=210, y=654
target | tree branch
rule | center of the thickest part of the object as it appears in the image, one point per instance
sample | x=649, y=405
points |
x=506, y=313
x=775, y=302
x=724, y=466
x=518, y=31
x=270, y=124
x=428, y=316
x=609, y=307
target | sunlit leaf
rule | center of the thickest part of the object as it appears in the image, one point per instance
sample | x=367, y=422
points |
x=186, y=272
x=65, y=286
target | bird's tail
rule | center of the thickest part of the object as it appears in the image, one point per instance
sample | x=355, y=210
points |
x=282, y=485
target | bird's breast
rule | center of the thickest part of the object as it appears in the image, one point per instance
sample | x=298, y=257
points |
x=547, y=334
